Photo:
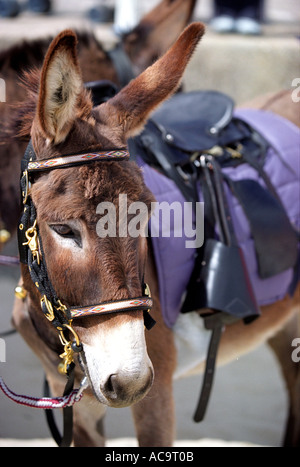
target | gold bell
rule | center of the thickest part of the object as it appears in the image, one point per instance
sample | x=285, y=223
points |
x=61, y=369
x=4, y=236
x=20, y=293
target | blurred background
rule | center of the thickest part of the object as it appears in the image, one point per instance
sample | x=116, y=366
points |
x=249, y=400
x=241, y=65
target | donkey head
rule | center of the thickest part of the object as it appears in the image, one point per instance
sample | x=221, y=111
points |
x=157, y=31
x=86, y=268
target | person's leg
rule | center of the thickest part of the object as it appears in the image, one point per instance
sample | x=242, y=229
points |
x=226, y=7
x=251, y=9
x=102, y=13
x=249, y=17
x=237, y=16
x=9, y=8
x=224, y=15
x=39, y=6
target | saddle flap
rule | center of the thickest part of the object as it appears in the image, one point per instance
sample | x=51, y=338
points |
x=276, y=241
x=193, y=121
x=223, y=268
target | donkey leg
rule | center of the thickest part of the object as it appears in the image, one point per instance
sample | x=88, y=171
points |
x=154, y=416
x=281, y=344
x=89, y=423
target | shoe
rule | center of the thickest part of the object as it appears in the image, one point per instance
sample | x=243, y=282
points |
x=39, y=6
x=223, y=24
x=9, y=8
x=102, y=14
x=248, y=26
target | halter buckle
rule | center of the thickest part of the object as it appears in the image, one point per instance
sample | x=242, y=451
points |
x=45, y=302
x=27, y=187
x=147, y=293
x=32, y=243
x=68, y=359
x=61, y=307
x=69, y=346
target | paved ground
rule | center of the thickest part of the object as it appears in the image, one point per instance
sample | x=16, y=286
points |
x=127, y=443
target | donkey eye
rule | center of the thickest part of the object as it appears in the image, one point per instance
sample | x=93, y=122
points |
x=66, y=231
x=63, y=230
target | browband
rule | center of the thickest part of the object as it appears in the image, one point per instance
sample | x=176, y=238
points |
x=105, y=308
x=78, y=159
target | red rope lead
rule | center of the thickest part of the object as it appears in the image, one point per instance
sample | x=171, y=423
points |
x=45, y=403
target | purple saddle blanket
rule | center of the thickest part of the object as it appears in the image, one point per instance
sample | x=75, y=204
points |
x=175, y=262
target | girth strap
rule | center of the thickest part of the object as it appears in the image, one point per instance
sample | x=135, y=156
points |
x=216, y=325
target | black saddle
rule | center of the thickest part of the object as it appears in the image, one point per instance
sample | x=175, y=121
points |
x=101, y=91
x=190, y=124
x=195, y=121
x=195, y=130
x=190, y=139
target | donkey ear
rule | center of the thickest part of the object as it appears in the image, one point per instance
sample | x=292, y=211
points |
x=60, y=87
x=129, y=110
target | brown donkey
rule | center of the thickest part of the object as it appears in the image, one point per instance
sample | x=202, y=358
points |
x=125, y=366
x=156, y=32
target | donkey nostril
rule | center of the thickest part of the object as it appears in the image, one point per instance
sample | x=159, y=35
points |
x=124, y=388
x=110, y=385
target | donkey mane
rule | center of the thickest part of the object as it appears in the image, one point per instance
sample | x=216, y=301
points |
x=28, y=54
x=25, y=59
x=20, y=123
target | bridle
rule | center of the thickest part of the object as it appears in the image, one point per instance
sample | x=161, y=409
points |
x=57, y=313
x=32, y=255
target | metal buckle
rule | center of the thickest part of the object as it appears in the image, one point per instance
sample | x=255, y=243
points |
x=27, y=187
x=236, y=153
x=50, y=315
x=70, y=328
x=33, y=244
x=61, y=307
x=148, y=294
x=147, y=291
x=69, y=346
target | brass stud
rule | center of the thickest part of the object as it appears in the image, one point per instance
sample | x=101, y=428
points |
x=61, y=369
x=20, y=293
x=4, y=236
